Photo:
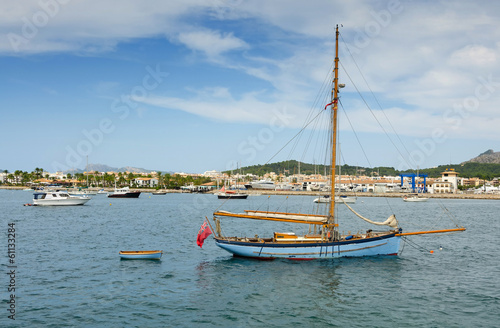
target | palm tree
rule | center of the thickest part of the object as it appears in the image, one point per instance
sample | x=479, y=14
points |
x=38, y=172
x=17, y=175
x=160, y=178
x=26, y=177
x=130, y=177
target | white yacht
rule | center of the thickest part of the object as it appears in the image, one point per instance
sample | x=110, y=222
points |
x=341, y=199
x=262, y=184
x=58, y=198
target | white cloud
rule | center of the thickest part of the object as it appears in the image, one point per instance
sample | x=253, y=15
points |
x=474, y=55
x=212, y=43
x=426, y=59
x=218, y=104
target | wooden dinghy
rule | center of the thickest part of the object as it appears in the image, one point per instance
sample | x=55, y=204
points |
x=141, y=255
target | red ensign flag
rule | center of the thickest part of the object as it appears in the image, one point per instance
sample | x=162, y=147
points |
x=203, y=234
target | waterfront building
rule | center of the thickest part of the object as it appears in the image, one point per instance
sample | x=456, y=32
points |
x=146, y=182
x=449, y=175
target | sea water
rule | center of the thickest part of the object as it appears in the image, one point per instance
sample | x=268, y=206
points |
x=68, y=272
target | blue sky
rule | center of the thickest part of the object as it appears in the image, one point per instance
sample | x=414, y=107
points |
x=201, y=85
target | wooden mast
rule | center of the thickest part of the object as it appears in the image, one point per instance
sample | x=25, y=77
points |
x=334, y=101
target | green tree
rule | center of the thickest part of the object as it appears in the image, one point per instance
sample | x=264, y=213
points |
x=18, y=175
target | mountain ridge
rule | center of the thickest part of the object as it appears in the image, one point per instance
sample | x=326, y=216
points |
x=106, y=168
x=488, y=157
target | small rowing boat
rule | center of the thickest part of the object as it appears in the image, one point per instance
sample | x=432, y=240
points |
x=141, y=255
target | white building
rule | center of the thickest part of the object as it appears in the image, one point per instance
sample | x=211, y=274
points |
x=212, y=174
x=146, y=182
x=452, y=177
x=442, y=187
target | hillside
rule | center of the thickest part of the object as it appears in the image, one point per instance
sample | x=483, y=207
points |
x=486, y=171
x=489, y=157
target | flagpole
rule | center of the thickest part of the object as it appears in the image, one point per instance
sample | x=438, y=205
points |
x=209, y=224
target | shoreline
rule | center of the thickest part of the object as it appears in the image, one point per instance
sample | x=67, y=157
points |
x=309, y=193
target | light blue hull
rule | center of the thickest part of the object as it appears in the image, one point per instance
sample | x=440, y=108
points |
x=387, y=245
x=141, y=256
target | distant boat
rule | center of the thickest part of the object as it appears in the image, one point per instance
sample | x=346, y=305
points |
x=415, y=198
x=341, y=199
x=230, y=194
x=141, y=255
x=261, y=185
x=82, y=191
x=101, y=191
x=124, y=193
x=159, y=192
x=58, y=198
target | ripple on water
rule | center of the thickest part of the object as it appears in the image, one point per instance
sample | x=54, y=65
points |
x=70, y=273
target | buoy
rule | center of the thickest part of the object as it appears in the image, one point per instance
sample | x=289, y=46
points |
x=109, y=204
x=440, y=248
x=432, y=252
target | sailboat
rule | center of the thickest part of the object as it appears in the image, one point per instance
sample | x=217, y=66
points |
x=326, y=242
x=230, y=194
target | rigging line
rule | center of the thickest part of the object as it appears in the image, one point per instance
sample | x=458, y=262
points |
x=311, y=135
x=325, y=84
x=350, y=178
x=309, y=140
x=374, y=116
x=322, y=127
x=376, y=99
x=355, y=134
x=415, y=245
x=386, y=198
x=447, y=212
x=280, y=205
x=295, y=136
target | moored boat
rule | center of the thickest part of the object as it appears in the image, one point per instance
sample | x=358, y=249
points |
x=82, y=191
x=338, y=199
x=415, y=198
x=227, y=195
x=230, y=194
x=261, y=185
x=124, y=193
x=58, y=198
x=141, y=255
x=324, y=240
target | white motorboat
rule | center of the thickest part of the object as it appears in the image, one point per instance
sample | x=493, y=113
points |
x=415, y=198
x=261, y=185
x=82, y=191
x=341, y=199
x=124, y=193
x=58, y=198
